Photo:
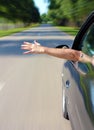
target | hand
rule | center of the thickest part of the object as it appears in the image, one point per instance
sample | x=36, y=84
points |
x=32, y=47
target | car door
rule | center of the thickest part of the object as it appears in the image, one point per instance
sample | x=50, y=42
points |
x=79, y=80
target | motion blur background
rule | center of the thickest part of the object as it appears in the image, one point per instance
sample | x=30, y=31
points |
x=18, y=14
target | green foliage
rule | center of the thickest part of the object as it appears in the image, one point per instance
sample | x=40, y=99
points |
x=70, y=11
x=53, y=4
x=44, y=18
x=19, y=10
x=15, y=30
x=70, y=30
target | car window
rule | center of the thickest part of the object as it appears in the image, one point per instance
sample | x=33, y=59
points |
x=87, y=44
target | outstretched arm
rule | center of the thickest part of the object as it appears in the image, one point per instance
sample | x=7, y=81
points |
x=64, y=53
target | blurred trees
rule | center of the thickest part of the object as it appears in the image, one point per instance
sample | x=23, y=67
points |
x=44, y=18
x=71, y=12
x=19, y=10
x=62, y=12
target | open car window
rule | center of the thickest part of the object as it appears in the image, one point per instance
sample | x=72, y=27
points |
x=87, y=43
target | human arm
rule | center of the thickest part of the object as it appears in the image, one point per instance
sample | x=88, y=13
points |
x=64, y=53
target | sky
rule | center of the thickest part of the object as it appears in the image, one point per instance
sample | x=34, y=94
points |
x=41, y=5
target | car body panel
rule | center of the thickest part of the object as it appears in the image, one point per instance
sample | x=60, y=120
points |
x=78, y=81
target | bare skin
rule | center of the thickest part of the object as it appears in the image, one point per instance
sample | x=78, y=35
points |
x=64, y=53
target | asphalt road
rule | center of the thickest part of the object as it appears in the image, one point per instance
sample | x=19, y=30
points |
x=31, y=85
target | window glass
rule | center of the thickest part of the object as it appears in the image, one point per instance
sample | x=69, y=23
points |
x=88, y=41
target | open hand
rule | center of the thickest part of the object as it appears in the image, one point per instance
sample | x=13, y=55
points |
x=32, y=47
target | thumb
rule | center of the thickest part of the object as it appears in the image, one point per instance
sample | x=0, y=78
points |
x=36, y=42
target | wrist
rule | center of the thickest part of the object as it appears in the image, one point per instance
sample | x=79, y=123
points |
x=44, y=50
x=92, y=60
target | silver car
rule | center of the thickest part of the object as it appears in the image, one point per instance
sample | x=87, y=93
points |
x=78, y=81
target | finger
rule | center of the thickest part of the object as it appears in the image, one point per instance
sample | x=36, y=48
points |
x=27, y=52
x=27, y=46
x=27, y=43
x=36, y=42
x=23, y=46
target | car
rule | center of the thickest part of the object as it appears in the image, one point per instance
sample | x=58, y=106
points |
x=78, y=81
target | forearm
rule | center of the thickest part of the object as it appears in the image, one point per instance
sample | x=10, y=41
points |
x=68, y=54
x=63, y=53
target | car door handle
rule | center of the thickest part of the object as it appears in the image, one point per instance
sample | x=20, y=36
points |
x=67, y=84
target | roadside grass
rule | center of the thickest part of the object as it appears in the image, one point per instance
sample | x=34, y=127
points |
x=70, y=30
x=15, y=30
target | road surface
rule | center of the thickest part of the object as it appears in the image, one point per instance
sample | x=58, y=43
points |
x=31, y=85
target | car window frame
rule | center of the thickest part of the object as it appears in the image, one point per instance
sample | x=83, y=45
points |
x=83, y=30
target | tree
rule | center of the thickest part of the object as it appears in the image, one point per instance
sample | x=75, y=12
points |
x=70, y=11
x=16, y=10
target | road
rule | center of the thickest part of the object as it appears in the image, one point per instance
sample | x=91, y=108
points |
x=31, y=85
